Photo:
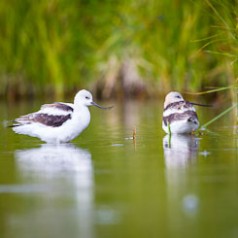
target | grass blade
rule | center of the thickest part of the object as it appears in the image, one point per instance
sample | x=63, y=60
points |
x=219, y=116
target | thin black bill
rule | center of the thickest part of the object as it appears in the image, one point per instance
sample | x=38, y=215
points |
x=201, y=105
x=104, y=108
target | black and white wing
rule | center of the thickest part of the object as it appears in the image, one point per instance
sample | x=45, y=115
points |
x=53, y=115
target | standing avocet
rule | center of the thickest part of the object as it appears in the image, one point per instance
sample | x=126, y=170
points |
x=58, y=122
x=179, y=116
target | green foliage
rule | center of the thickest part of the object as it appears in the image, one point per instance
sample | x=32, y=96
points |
x=219, y=116
x=58, y=45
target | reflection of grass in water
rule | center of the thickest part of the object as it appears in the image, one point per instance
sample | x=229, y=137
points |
x=57, y=46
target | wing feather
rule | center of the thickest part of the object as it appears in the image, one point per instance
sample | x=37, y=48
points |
x=54, y=115
x=57, y=108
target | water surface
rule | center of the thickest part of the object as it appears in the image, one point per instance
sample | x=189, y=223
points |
x=105, y=184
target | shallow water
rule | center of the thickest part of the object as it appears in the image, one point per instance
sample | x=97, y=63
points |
x=104, y=184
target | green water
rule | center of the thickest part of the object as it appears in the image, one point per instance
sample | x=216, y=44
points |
x=104, y=184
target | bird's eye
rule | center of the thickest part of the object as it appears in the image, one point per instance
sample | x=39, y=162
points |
x=87, y=97
x=177, y=96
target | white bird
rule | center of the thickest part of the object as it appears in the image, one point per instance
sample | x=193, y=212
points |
x=179, y=116
x=58, y=122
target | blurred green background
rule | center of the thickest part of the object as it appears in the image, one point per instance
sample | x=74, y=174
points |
x=126, y=48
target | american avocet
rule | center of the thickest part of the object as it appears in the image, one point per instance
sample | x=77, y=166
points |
x=58, y=122
x=179, y=116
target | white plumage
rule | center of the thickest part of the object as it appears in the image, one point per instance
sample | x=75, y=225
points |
x=179, y=116
x=58, y=122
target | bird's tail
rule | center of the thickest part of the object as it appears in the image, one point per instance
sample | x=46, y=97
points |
x=10, y=123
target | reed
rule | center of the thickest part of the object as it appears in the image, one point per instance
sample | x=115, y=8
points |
x=58, y=46
x=218, y=116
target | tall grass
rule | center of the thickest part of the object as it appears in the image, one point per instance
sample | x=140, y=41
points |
x=58, y=46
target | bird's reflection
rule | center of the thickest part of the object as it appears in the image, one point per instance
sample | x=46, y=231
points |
x=179, y=150
x=54, y=159
x=67, y=173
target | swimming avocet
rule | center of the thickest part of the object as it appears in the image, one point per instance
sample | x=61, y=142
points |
x=58, y=122
x=179, y=116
